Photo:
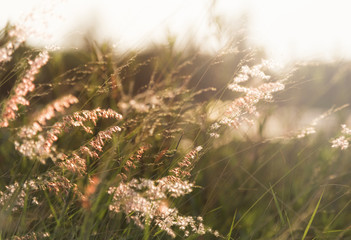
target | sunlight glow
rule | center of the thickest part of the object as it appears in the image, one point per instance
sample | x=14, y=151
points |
x=303, y=30
x=300, y=29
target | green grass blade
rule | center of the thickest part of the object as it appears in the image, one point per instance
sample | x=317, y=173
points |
x=147, y=228
x=288, y=221
x=277, y=205
x=52, y=208
x=232, y=226
x=312, y=217
x=267, y=191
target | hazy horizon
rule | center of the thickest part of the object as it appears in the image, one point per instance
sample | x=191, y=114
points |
x=287, y=31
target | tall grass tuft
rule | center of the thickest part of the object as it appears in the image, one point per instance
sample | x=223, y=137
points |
x=152, y=145
x=86, y=169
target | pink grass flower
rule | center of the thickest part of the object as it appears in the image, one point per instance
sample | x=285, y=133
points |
x=21, y=90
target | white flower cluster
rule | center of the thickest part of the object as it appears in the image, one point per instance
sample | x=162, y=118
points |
x=243, y=109
x=146, y=200
x=342, y=142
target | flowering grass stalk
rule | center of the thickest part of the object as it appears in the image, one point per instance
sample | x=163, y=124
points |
x=21, y=90
x=94, y=153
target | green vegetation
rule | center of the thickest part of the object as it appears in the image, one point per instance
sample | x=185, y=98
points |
x=167, y=143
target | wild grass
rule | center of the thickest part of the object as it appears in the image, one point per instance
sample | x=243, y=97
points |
x=162, y=144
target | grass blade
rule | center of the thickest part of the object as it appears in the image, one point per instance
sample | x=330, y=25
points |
x=277, y=205
x=231, y=227
x=312, y=217
x=288, y=221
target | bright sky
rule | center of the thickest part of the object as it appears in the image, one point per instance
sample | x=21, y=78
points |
x=296, y=29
